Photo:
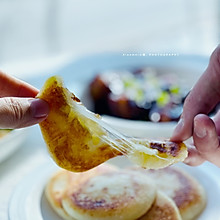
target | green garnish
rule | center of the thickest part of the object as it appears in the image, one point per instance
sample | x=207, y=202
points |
x=163, y=99
x=174, y=89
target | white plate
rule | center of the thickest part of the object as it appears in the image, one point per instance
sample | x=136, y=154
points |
x=10, y=142
x=78, y=74
x=29, y=203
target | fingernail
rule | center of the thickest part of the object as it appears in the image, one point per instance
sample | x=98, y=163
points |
x=179, y=127
x=200, y=131
x=39, y=108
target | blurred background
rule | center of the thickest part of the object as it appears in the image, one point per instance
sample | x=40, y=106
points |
x=48, y=33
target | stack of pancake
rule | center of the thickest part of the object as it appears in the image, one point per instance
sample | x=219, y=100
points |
x=107, y=192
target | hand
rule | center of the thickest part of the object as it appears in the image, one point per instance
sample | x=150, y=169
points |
x=194, y=120
x=18, y=107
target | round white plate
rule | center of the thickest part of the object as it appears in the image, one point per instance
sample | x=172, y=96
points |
x=28, y=201
x=10, y=142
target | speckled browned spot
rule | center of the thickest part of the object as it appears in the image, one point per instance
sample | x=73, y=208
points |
x=158, y=146
x=167, y=147
x=90, y=204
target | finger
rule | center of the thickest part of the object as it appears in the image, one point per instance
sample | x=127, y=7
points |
x=194, y=158
x=10, y=86
x=22, y=112
x=206, y=139
x=202, y=98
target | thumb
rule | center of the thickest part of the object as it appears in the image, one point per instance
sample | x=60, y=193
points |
x=22, y=112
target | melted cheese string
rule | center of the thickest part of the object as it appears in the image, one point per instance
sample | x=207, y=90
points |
x=115, y=139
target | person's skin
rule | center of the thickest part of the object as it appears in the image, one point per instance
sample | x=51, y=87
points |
x=194, y=120
x=18, y=107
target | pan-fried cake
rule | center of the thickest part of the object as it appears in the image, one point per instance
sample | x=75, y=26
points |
x=163, y=208
x=101, y=193
x=185, y=191
x=79, y=140
x=114, y=195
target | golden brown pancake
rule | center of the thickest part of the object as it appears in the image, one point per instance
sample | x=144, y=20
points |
x=78, y=139
x=114, y=195
x=163, y=208
x=63, y=179
x=182, y=188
